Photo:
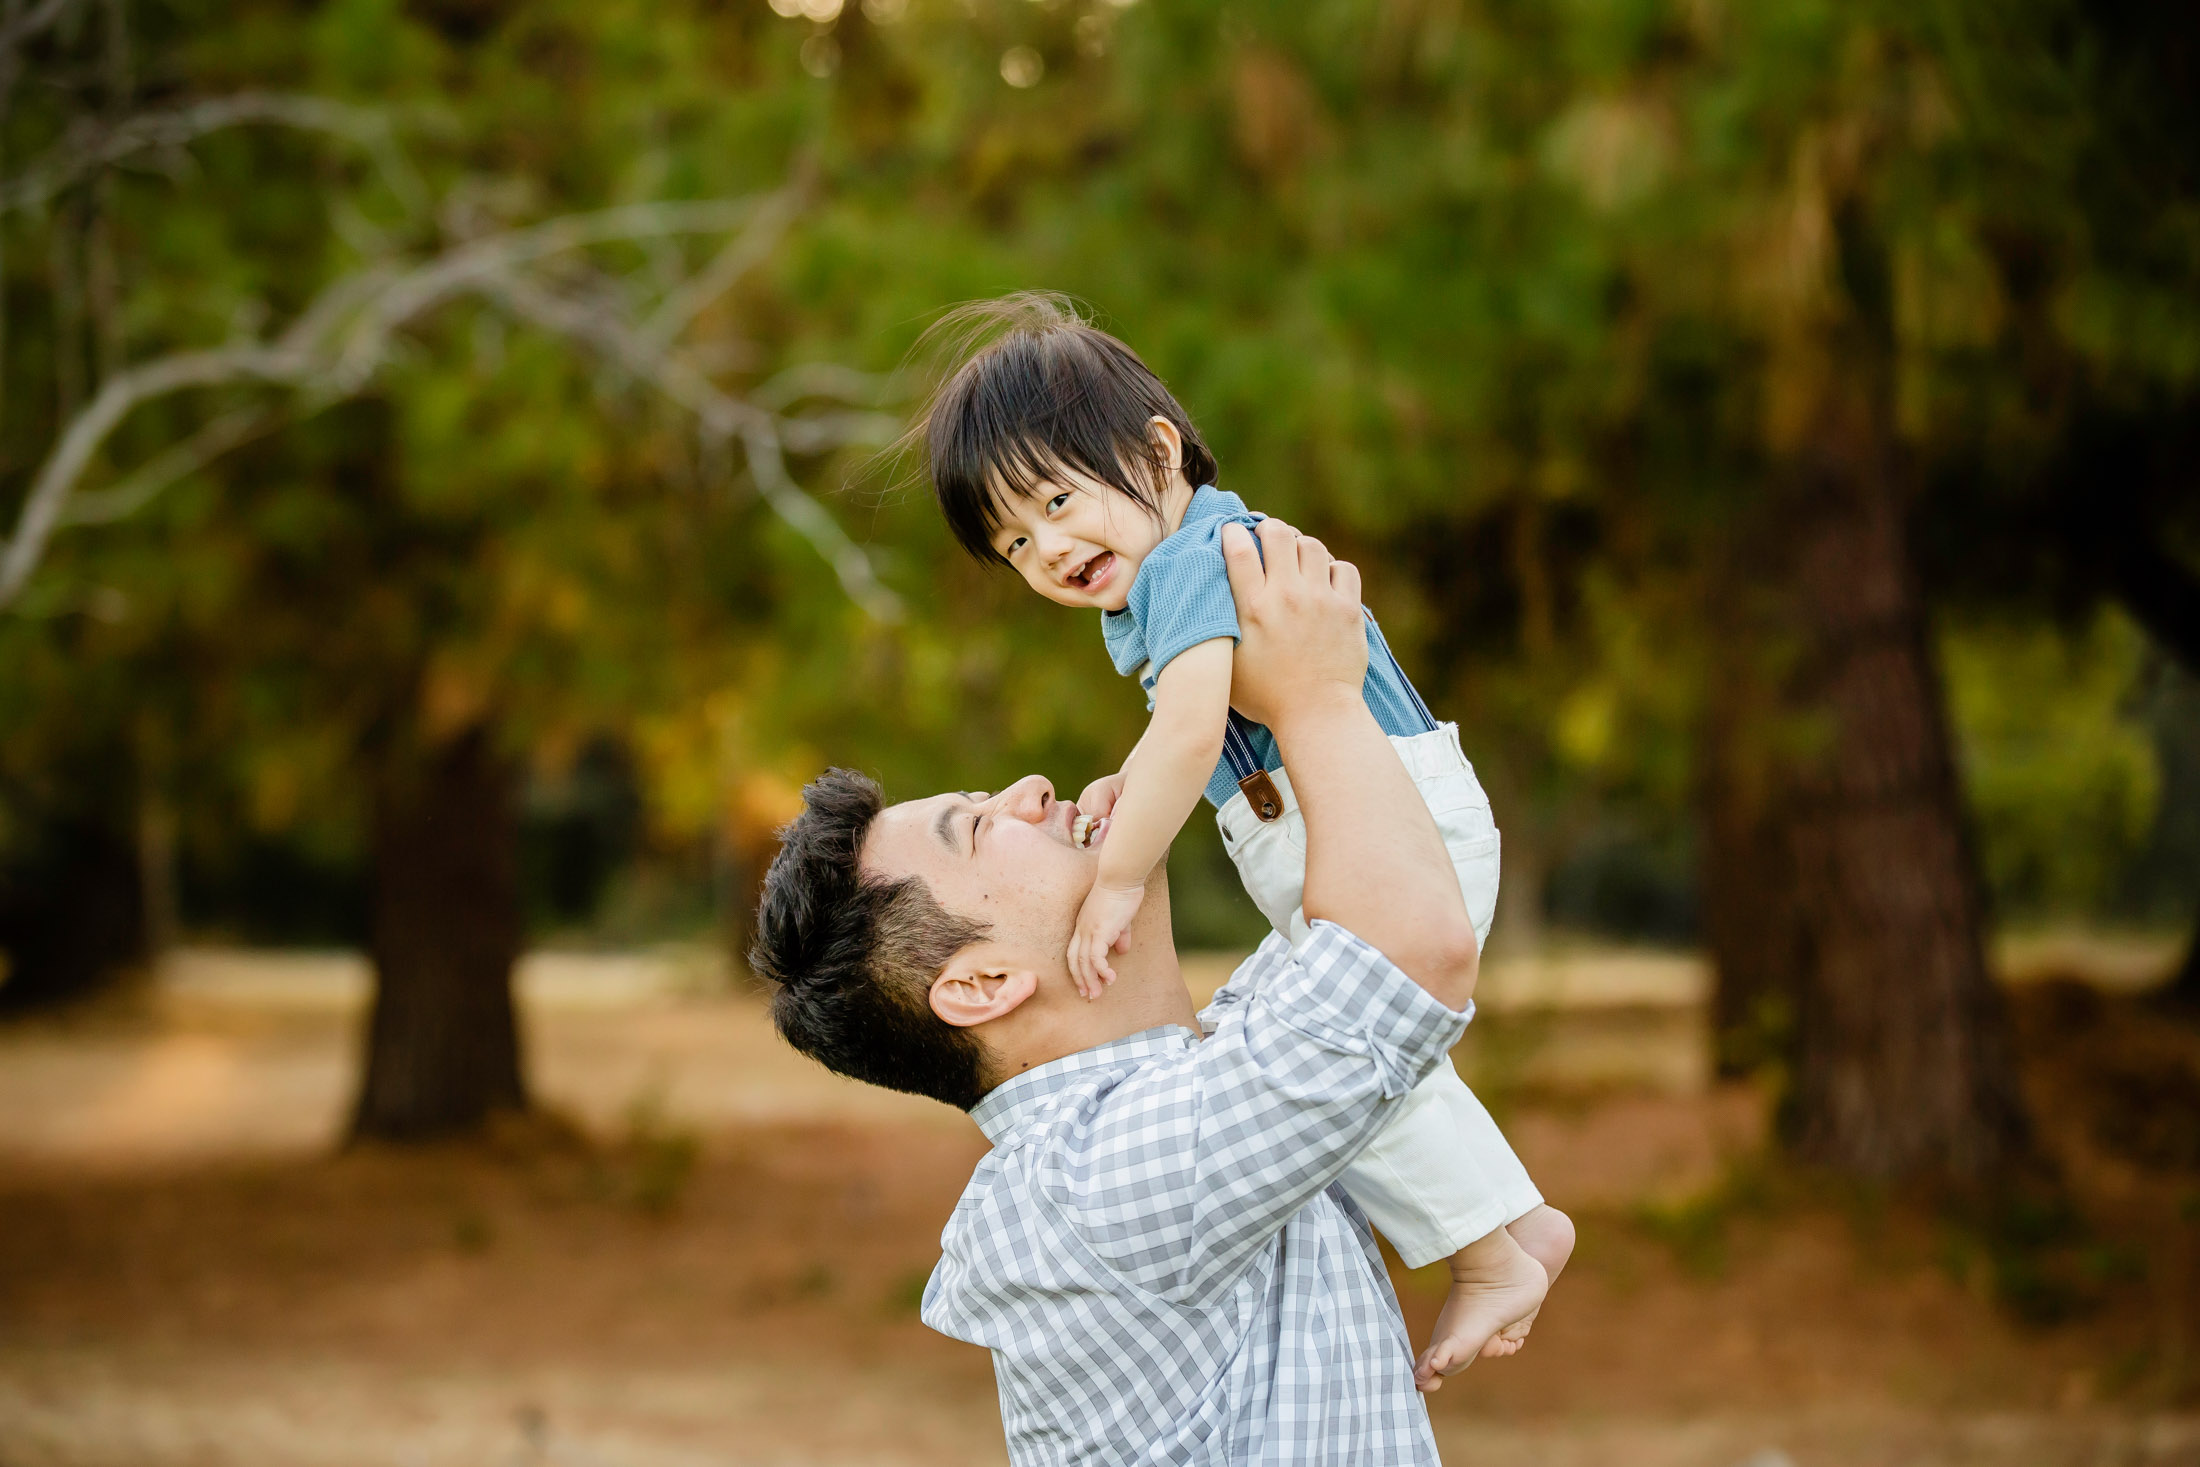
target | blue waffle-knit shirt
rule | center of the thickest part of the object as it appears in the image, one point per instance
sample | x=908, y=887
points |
x=1181, y=598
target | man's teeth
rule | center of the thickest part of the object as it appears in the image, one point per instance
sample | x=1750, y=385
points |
x=1080, y=830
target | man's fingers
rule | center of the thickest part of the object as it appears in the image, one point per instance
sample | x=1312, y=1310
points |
x=1275, y=533
x=1241, y=558
x=1275, y=548
x=1314, y=560
x=1344, y=579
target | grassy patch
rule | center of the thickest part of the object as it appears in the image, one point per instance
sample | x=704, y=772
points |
x=2032, y=1254
x=1698, y=1228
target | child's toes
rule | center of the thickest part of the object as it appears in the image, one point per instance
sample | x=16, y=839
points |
x=1441, y=1359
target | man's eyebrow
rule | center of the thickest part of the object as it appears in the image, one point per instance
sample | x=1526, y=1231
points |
x=940, y=822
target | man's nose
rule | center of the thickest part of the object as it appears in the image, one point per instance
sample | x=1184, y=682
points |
x=1028, y=798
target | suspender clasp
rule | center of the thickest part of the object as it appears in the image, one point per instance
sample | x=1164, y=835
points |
x=1261, y=793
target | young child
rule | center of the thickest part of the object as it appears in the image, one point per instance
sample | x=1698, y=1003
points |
x=1053, y=450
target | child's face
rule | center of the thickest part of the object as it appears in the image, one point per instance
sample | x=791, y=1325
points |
x=1077, y=540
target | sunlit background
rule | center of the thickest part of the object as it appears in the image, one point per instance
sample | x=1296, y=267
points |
x=449, y=473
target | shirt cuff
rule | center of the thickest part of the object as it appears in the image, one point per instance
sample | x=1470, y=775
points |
x=1343, y=992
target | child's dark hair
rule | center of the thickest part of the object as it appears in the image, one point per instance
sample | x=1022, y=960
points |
x=1039, y=389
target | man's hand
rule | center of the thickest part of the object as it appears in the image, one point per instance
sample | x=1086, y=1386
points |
x=1375, y=864
x=1302, y=638
x=1102, y=925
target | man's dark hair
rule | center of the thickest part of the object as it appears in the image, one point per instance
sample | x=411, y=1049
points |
x=1039, y=388
x=854, y=956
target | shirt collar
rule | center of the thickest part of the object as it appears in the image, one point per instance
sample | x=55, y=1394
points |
x=1015, y=1101
x=1210, y=503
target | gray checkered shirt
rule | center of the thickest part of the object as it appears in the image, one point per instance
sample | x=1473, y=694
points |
x=1155, y=1250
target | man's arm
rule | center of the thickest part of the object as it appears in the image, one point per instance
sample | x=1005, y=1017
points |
x=1375, y=864
x=1180, y=1176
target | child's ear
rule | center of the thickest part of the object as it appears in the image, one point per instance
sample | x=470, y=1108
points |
x=1168, y=444
x=972, y=991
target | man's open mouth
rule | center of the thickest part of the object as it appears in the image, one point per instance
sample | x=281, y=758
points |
x=1086, y=832
x=1093, y=573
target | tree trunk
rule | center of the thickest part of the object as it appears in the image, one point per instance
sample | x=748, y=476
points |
x=1903, y=1064
x=443, y=1041
x=1749, y=916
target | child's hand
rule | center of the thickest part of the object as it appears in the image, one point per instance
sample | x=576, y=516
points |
x=1100, y=796
x=1103, y=926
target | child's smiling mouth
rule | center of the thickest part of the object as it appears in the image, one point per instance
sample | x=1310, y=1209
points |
x=1094, y=573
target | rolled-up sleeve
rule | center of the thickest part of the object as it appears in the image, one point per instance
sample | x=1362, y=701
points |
x=1178, y=1188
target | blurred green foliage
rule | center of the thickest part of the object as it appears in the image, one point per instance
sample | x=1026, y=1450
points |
x=2061, y=771
x=1512, y=303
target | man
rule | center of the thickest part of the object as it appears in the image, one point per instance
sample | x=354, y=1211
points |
x=1154, y=1250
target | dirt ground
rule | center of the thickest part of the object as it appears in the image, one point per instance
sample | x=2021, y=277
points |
x=718, y=1261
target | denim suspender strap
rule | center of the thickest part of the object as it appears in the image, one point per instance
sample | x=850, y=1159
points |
x=1260, y=791
x=1237, y=747
x=1237, y=740
x=1428, y=719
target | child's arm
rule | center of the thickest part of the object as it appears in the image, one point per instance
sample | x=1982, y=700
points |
x=1099, y=797
x=1175, y=759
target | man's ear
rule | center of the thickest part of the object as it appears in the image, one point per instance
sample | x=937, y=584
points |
x=1168, y=444
x=971, y=990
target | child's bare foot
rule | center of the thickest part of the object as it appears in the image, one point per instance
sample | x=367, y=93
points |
x=1546, y=1235
x=1496, y=1288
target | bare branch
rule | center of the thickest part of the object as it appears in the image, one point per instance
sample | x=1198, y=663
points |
x=720, y=417
x=335, y=346
x=123, y=392
x=825, y=379
x=469, y=267
x=144, y=484
x=92, y=146
x=23, y=27
x=820, y=432
x=332, y=349
x=742, y=253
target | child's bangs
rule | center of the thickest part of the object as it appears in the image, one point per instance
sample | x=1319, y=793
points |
x=1018, y=468
x=978, y=479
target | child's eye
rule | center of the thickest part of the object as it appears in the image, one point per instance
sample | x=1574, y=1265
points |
x=1057, y=502
x=1014, y=545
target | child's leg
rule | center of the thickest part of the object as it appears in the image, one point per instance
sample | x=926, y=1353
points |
x=1475, y=1132
x=1439, y=1181
x=1446, y=781
x=1271, y=861
x=1444, y=1196
x=1424, y=1191
x=1428, y=1195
